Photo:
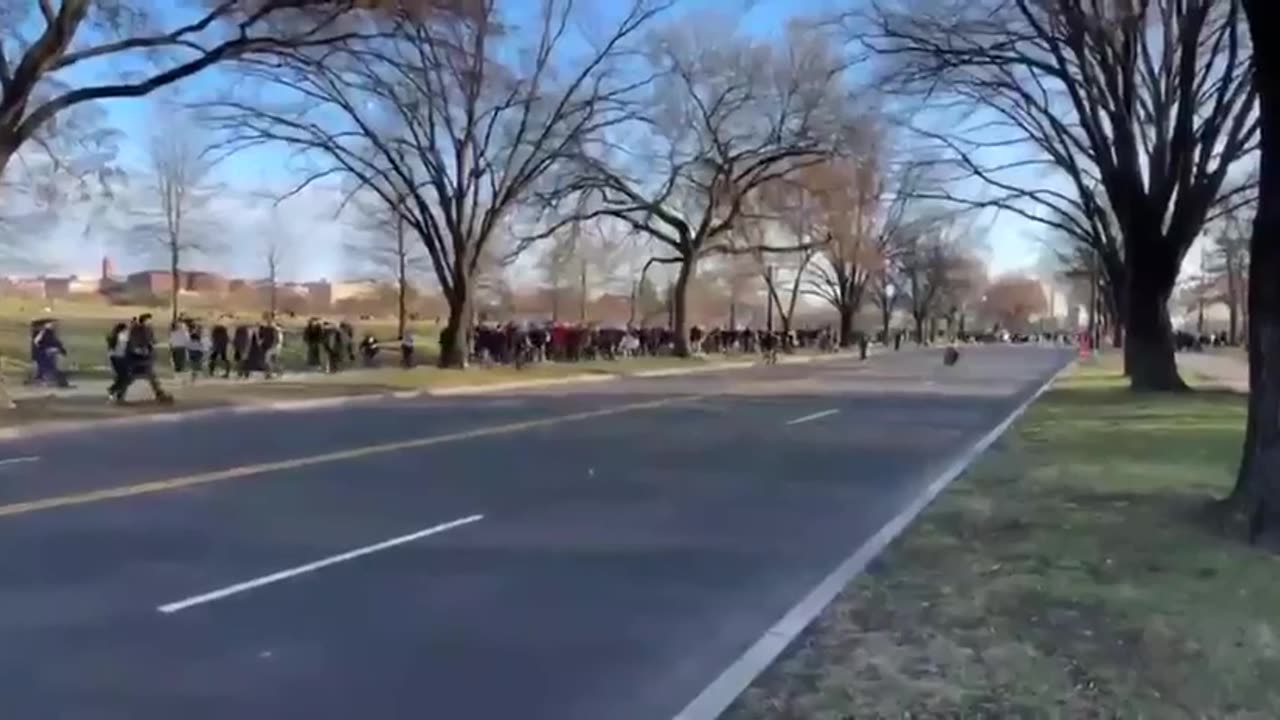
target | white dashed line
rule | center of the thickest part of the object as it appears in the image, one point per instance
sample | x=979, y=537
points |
x=815, y=416
x=174, y=607
x=15, y=461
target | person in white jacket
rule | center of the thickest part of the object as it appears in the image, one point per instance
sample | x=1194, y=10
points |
x=179, y=339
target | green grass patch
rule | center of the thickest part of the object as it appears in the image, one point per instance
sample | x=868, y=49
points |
x=83, y=328
x=1073, y=573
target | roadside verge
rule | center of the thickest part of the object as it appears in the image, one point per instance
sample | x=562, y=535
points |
x=1072, y=573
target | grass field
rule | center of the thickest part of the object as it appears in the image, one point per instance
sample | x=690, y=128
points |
x=1072, y=574
x=83, y=328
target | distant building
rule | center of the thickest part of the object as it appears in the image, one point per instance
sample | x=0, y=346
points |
x=320, y=293
x=206, y=283
x=155, y=282
x=160, y=282
x=355, y=290
x=57, y=287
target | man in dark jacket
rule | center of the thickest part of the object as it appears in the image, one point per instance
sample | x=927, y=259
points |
x=219, y=341
x=140, y=353
x=333, y=347
x=242, y=341
x=313, y=338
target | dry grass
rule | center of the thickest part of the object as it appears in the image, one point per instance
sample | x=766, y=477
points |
x=1070, y=575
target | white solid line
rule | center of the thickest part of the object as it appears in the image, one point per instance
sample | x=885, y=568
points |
x=14, y=461
x=815, y=416
x=716, y=697
x=174, y=607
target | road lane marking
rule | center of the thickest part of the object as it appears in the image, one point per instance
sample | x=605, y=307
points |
x=815, y=416
x=276, y=577
x=15, y=461
x=738, y=676
x=245, y=471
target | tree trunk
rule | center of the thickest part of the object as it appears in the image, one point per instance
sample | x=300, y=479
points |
x=679, y=307
x=402, y=277
x=173, y=283
x=8, y=149
x=1149, y=347
x=455, y=345
x=402, y=302
x=1233, y=323
x=919, y=329
x=582, y=300
x=886, y=319
x=1258, y=478
x=631, y=306
x=846, y=326
x=1257, y=489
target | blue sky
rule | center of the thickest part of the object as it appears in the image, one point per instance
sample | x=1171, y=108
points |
x=318, y=239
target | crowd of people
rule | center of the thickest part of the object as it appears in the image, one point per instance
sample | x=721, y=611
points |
x=226, y=348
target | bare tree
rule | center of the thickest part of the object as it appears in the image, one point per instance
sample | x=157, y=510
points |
x=932, y=260
x=385, y=242
x=785, y=279
x=1229, y=267
x=778, y=208
x=275, y=253
x=966, y=284
x=1013, y=300
x=450, y=119
x=725, y=118
x=885, y=293
x=49, y=49
x=1142, y=112
x=1103, y=279
x=583, y=258
x=176, y=223
x=739, y=280
x=862, y=203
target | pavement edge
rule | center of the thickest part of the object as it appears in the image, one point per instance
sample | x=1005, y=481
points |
x=715, y=698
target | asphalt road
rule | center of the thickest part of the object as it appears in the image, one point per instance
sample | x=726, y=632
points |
x=635, y=537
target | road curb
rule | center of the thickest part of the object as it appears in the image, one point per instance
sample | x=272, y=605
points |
x=582, y=379
x=738, y=676
x=281, y=406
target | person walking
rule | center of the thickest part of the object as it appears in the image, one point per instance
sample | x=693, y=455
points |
x=141, y=351
x=406, y=349
x=196, y=348
x=118, y=358
x=47, y=350
x=179, y=340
